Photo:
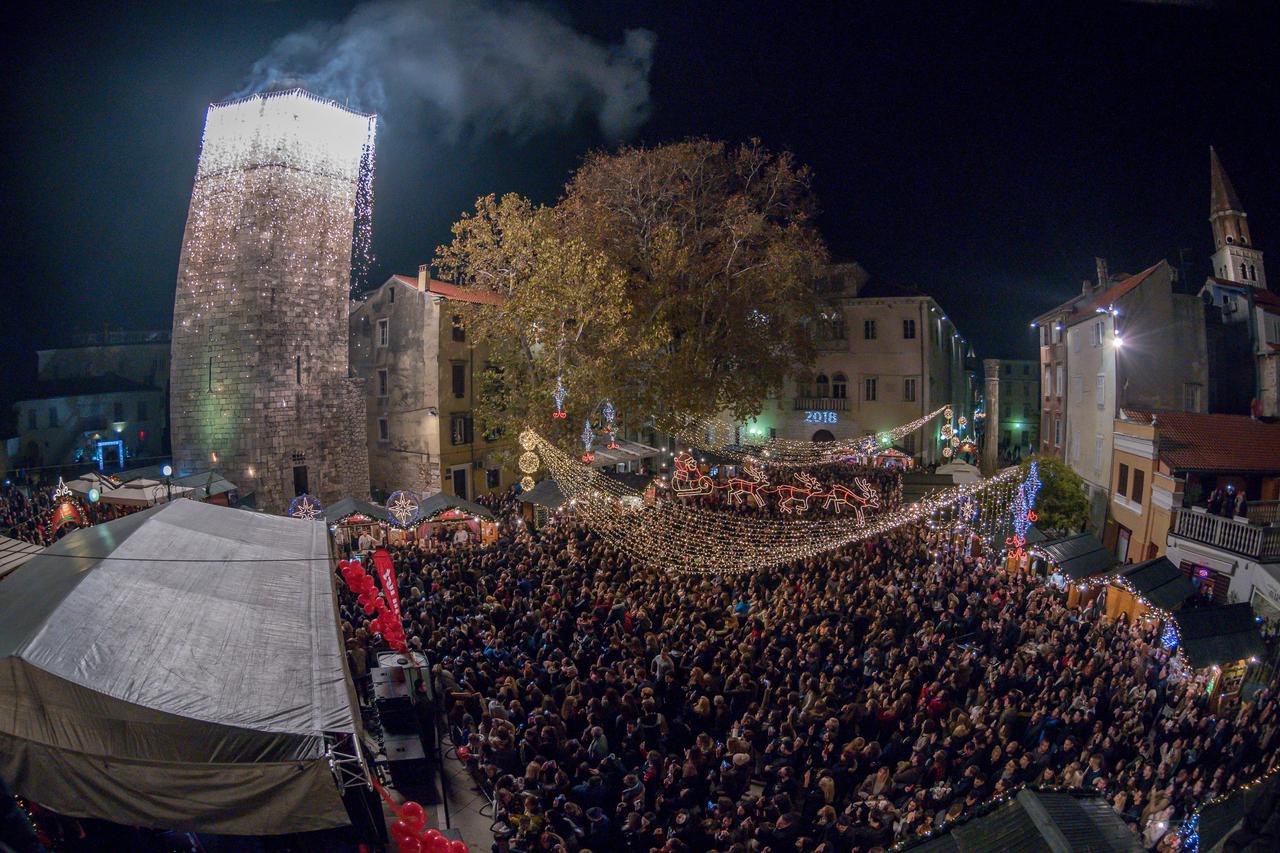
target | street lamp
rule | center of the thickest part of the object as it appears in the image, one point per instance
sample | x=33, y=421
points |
x=167, y=471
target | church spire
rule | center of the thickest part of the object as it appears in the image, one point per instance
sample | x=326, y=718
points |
x=1234, y=259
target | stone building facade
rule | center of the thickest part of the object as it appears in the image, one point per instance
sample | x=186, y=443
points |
x=1014, y=416
x=420, y=373
x=260, y=385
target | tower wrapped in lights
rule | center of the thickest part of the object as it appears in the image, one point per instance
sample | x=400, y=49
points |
x=259, y=378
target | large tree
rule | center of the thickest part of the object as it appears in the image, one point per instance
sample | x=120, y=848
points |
x=670, y=280
x=1061, y=506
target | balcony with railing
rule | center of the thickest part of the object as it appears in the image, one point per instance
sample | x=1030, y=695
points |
x=1256, y=541
x=821, y=404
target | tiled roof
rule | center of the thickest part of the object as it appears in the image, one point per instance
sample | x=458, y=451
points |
x=1222, y=196
x=1104, y=298
x=1192, y=441
x=451, y=291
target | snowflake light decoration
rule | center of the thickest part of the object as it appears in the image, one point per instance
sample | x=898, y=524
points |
x=404, y=508
x=305, y=507
x=62, y=492
x=588, y=437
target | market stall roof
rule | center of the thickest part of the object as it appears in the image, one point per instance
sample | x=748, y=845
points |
x=1159, y=582
x=15, y=552
x=626, y=451
x=137, y=492
x=1056, y=822
x=545, y=494
x=178, y=668
x=1220, y=818
x=1219, y=634
x=961, y=472
x=343, y=508
x=1079, y=556
x=430, y=507
x=205, y=484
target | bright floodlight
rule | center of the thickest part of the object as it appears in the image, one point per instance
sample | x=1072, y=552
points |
x=167, y=470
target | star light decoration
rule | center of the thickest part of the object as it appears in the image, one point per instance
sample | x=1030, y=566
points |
x=403, y=507
x=674, y=536
x=719, y=437
x=305, y=507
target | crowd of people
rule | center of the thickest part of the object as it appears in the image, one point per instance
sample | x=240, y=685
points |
x=847, y=703
x=25, y=511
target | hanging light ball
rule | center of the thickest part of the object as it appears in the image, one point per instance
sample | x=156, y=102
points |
x=528, y=462
x=528, y=439
x=526, y=483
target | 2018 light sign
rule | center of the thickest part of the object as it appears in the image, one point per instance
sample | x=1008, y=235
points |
x=820, y=418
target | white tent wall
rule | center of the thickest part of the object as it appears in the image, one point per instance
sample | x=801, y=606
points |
x=177, y=668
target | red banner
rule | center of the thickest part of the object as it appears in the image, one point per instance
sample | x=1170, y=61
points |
x=386, y=571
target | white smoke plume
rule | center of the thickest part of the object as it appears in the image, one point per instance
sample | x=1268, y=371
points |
x=479, y=67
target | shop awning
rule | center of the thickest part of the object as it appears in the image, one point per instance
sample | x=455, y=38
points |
x=440, y=502
x=626, y=451
x=545, y=494
x=344, y=508
x=1159, y=582
x=15, y=552
x=1078, y=557
x=1056, y=822
x=1220, y=634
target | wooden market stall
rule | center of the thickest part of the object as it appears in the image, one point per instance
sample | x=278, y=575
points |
x=1222, y=641
x=1074, y=561
x=1152, y=589
x=449, y=515
x=349, y=518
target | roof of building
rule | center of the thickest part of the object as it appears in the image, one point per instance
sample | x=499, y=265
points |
x=1054, y=821
x=1220, y=634
x=1108, y=296
x=1222, y=196
x=85, y=386
x=445, y=290
x=1159, y=581
x=1195, y=441
x=1078, y=556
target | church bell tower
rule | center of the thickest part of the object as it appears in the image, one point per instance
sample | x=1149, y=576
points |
x=1234, y=258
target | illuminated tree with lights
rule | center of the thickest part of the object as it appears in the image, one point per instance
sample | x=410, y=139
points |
x=668, y=279
x=1061, y=506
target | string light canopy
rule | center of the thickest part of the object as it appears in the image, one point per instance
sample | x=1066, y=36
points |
x=681, y=537
x=724, y=439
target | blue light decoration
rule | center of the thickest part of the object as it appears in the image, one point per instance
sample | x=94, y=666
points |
x=94, y=495
x=403, y=508
x=588, y=438
x=305, y=507
x=1169, y=636
x=558, y=395
x=1024, y=514
x=821, y=417
x=609, y=414
x=1189, y=835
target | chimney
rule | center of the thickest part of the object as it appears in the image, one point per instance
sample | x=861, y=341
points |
x=1103, y=278
x=1086, y=287
x=424, y=275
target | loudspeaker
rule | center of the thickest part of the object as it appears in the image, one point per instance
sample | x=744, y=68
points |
x=406, y=761
x=397, y=716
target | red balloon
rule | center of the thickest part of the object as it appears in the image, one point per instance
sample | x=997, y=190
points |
x=411, y=844
x=457, y=847
x=381, y=604
x=431, y=835
x=369, y=610
x=375, y=625
x=414, y=815
x=401, y=830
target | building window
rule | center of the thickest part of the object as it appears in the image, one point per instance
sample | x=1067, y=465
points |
x=384, y=332
x=1100, y=390
x=1026, y=370
x=142, y=410
x=1048, y=383
x=384, y=434
x=869, y=391
x=297, y=369
x=839, y=386
x=459, y=333
x=1005, y=411
x=391, y=294
x=909, y=390
x=459, y=379
x=1074, y=334
x=1190, y=397
x=492, y=478
x=1097, y=453
x=869, y=330
x=460, y=432
x=823, y=385
x=1008, y=370
x=1138, y=477
x=773, y=432
x=908, y=329
x=1122, y=480
x=909, y=443
x=1057, y=432
x=1097, y=334
x=382, y=383
x=1057, y=381
x=117, y=411
x=53, y=416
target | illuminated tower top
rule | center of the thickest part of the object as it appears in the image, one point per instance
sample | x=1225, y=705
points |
x=1235, y=258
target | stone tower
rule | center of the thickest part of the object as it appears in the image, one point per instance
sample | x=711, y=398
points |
x=1234, y=257
x=991, y=405
x=259, y=384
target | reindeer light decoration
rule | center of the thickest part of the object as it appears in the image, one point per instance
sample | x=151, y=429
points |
x=750, y=488
x=862, y=495
x=795, y=499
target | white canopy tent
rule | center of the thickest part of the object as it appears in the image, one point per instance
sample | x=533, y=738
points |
x=140, y=492
x=15, y=552
x=180, y=667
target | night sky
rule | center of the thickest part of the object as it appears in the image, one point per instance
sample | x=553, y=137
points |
x=983, y=156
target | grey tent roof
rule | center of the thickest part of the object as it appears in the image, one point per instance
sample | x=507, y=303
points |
x=1219, y=634
x=344, y=508
x=545, y=494
x=206, y=484
x=15, y=552
x=1219, y=819
x=1078, y=556
x=177, y=668
x=430, y=507
x=1159, y=581
x=1055, y=822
